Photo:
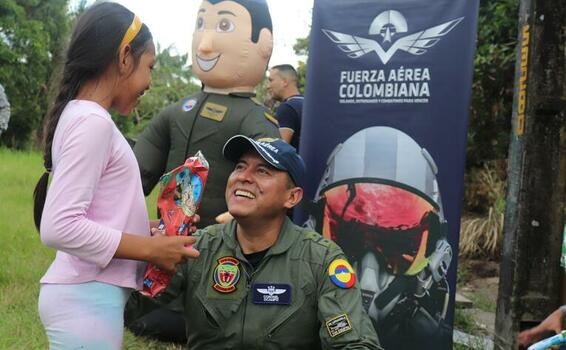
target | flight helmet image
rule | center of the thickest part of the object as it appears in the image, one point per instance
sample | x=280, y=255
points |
x=379, y=200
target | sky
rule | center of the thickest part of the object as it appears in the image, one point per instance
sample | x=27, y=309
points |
x=172, y=23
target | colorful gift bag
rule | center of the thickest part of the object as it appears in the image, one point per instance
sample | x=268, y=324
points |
x=180, y=196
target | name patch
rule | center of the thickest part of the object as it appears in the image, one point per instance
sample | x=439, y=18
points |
x=272, y=293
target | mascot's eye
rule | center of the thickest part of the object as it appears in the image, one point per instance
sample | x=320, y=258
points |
x=225, y=25
x=200, y=23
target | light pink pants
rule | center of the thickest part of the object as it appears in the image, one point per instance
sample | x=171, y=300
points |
x=88, y=316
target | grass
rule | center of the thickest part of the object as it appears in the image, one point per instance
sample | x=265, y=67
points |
x=24, y=259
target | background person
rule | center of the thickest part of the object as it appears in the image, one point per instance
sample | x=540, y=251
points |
x=551, y=325
x=94, y=213
x=4, y=111
x=261, y=281
x=284, y=86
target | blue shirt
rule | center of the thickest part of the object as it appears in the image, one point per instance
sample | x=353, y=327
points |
x=289, y=115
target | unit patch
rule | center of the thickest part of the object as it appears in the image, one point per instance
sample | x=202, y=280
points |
x=272, y=293
x=342, y=274
x=226, y=274
x=213, y=111
x=190, y=104
x=338, y=325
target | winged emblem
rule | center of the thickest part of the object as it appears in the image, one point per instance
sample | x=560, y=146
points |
x=417, y=43
x=271, y=290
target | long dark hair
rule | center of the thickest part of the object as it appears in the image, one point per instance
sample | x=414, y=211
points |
x=94, y=46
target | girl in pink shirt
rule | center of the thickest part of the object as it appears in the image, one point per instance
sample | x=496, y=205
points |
x=94, y=213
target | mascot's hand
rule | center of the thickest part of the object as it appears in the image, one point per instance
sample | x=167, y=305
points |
x=224, y=218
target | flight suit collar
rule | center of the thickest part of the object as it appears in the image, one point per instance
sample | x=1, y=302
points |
x=287, y=236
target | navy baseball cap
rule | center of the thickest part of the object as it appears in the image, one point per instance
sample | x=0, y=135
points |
x=276, y=152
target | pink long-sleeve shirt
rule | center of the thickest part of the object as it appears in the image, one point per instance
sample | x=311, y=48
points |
x=94, y=196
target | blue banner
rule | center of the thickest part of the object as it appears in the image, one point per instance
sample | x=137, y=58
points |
x=384, y=139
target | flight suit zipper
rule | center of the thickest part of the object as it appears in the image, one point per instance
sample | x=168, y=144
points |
x=249, y=280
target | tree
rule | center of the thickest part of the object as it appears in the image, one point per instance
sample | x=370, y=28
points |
x=301, y=48
x=31, y=37
x=492, y=90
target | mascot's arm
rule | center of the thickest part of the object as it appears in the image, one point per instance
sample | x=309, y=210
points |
x=259, y=123
x=152, y=150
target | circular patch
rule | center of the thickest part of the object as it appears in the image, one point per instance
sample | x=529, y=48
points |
x=189, y=105
x=226, y=274
x=342, y=274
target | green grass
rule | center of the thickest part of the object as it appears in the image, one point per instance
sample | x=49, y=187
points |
x=24, y=259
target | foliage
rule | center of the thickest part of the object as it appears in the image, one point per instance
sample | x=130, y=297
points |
x=301, y=48
x=492, y=91
x=481, y=236
x=31, y=37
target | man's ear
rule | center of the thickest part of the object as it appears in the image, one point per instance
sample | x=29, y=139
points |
x=294, y=198
x=265, y=43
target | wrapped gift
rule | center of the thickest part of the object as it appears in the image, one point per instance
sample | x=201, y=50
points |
x=180, y=196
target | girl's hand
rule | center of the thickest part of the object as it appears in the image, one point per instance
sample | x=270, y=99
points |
x=166, y=252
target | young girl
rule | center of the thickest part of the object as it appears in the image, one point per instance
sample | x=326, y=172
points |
x=94, y=213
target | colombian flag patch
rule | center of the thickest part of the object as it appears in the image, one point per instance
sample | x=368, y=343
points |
x=342, y=274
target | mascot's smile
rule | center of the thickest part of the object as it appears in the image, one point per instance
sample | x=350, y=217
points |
x=207, y=65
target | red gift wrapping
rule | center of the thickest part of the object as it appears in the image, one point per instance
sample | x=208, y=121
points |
x=181, y=193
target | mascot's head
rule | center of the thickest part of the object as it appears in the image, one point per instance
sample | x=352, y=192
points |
x=232, y=44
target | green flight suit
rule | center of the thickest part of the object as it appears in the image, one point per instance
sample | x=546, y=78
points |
x=320, y=314
x=202, y=121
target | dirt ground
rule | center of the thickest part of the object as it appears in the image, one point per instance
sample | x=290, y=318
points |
x=478, y=281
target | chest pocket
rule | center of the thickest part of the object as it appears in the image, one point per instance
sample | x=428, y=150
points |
x=296, y=324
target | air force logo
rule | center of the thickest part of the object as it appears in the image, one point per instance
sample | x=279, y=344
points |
x=272, y=293
x=390, y=24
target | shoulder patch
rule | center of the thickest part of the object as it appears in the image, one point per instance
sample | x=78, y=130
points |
x=342, y=274
x=189, y=104
x=338, y=325
x=271, y=118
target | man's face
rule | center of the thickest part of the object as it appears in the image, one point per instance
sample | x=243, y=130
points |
x=276, y=84
x=255, y=189
x=224, y=56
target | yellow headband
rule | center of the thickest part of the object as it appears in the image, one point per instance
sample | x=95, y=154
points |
x=132, y=31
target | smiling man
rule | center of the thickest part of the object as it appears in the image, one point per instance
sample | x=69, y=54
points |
x=232, y=44
x=262, y=282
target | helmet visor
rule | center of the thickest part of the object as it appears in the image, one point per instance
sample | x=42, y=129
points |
x=389, y=219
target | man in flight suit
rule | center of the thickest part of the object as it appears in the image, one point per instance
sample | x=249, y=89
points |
x=232, y=44
x=260, y=281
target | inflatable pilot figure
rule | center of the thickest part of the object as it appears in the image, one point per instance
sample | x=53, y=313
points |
x=379, y=200
x=231, y=48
